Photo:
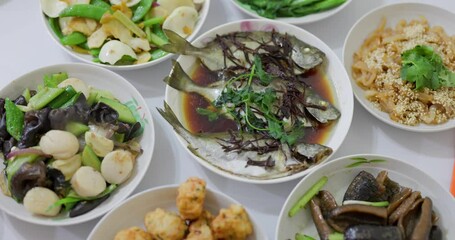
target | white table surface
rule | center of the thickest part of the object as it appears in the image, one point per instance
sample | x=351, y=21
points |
x=25, y=45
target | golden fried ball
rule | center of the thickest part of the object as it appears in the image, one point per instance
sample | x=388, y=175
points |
x=200, y=229
x=162, y=224
x=133, y=233
x=232, y=223
x=190, y=198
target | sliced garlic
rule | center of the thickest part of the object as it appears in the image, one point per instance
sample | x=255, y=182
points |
x=77, y=84
x=100, y=145
x=52, y=8
x=171, y=5
x=114, y=50
x=182, y=21
x=129, y=3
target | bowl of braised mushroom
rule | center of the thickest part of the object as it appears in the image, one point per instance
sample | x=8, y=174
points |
x=71, y=148
x=367, y=195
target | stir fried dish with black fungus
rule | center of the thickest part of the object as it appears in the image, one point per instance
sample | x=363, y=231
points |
x=66, y=144
x=260, y=85
x=374, y=208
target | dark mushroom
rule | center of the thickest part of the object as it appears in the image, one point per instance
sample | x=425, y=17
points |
x=56, y=182
x=8, y=145
x=404, y=207
x=36, y=124
x=364, y=187
x=83, y=207
x=29, y=175
x=328, y=202
x=79, y=112
x=354, y=214
x=130, y=131
x=20, y=101
x=323, y=228
x=368, y=232
x=103, y=114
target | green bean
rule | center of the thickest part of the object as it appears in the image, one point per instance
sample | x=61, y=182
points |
x=100, y=3
x=84, y=10
x=74, y=38
x=142, y=9
x=158, y=53
x=154, y=39
x=158, y=30
x=14, y=119
x=153, y=21
x=53, y=24
x=308, y=196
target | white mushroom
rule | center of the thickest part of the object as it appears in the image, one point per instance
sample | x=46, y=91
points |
x=60, y=144
x=52, y=8
x=129, y=3
x=100, y=145
x=39, y=200
x=117, y=166
x=77, y=84
x=182, y=21
x=87, y=182
x=114, y=50
x=170, y=5
x=68, y=166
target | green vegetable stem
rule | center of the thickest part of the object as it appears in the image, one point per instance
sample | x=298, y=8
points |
x=14, y=119
x=301, y=203
x=54, y=79
x=142, y=9
x=84, y=10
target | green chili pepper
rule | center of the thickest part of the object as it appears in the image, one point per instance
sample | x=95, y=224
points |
x=53, y=23
x=74, y=38
x=84, y=10
x=142, y=9
x=14, y=119
x=100, y=3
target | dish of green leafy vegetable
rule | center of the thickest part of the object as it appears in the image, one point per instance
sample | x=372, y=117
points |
x=291, y=11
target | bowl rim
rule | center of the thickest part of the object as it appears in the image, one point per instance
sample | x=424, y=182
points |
x=389, y=158
x=139, y=174
x=168, y=187
x=343, y=134
x=203, y=13
x=361, y=99
x=315, y=17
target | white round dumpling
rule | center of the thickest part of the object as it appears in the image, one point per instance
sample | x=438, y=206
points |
x=182, y=21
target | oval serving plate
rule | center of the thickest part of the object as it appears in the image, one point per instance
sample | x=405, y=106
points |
x=340, y=173
x=122, y=90
x=335, y=72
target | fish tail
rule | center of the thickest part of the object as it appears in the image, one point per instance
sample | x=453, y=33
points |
x=171, y=118
x=177, y=44
x=178, y=79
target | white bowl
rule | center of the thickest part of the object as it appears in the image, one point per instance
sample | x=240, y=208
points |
x=126, y=93
x=340, y=176
x=89, y=59
x=393, y=13
x=295, y=20
x=132, y=212
x=340, y=87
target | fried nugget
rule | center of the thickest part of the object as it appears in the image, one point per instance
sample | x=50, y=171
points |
x=190, y=198
x=232, y=223
x=162, y=224
x=133, y=233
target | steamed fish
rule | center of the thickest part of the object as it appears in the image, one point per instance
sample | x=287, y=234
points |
x=237, y=49
x=215, y=149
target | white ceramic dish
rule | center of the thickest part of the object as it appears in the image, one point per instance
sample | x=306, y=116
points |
x=340, y=176
x=295, y=20
x=340, y=87
x=89, y=59
x=126, y=93
x=393, y=13
x=132, y=212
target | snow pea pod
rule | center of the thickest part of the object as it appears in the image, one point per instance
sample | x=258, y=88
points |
x=14, y=119
x=100, y=3
x=142, y=9
x=84, y=10
x=53, y=24
x=74, y=38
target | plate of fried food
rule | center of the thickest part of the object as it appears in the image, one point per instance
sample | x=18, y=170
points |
x=358, y=196
x=186, y=211
x=258, y=101
x=400, y=58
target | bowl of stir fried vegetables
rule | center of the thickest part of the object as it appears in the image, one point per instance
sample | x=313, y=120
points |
x=71, y=148
x=121, y=35
x=258, y=101
x=291, y=11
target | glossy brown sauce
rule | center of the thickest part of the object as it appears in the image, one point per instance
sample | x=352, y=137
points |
x=197, y=123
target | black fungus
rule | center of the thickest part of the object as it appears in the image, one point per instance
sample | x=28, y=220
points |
x=3, y=133
x=36, y=123
x=103, y=114
x=79, y=112
x=56, y=182
x=20, y=101
x=7, y=145
x=28, y=176
x=83, y=207
x=129, y=131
